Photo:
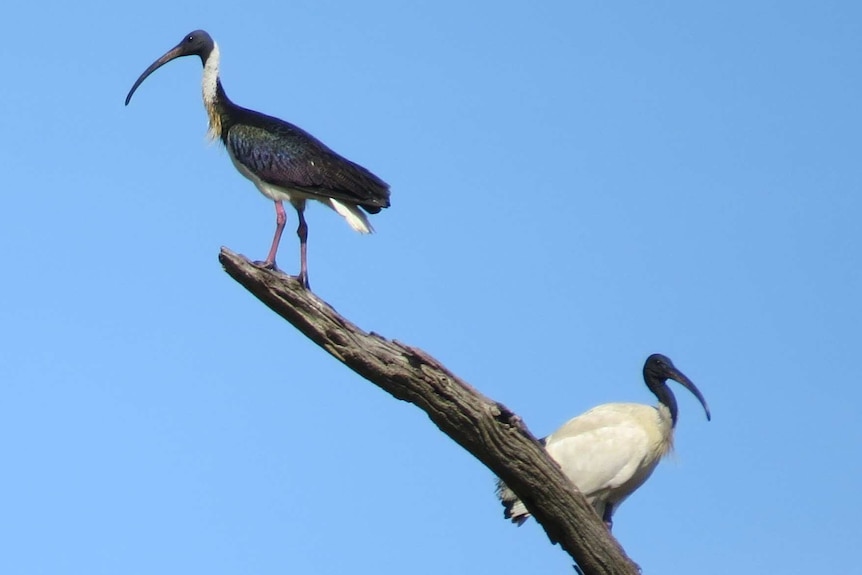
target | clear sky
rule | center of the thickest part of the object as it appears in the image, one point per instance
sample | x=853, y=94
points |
x=575, y=185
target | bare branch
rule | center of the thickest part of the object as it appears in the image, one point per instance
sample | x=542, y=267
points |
x=485, y=428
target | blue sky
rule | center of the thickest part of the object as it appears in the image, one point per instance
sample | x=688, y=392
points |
x=575, y=185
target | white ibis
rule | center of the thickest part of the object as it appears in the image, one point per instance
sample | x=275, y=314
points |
x=285, y=162
x=612, y=449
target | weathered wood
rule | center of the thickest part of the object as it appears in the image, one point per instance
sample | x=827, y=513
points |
x=485, y=428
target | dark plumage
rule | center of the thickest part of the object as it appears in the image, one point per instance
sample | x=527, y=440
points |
x=286, y=156
x=284, y=162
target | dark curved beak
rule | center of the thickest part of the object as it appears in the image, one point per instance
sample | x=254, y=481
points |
x=684, y=381
x=171, y=54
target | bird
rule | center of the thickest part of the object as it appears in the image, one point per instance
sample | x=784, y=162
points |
x=612, y=449
x=284, y=162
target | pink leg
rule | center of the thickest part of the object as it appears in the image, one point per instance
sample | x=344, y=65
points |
x=302, y=232
x=280, y=220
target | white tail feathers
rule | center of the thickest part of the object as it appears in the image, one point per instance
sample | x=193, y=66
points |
x=514, y=508
x=354, y=216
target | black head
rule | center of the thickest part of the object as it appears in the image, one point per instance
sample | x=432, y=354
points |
x=657, y=370
x=197, y=43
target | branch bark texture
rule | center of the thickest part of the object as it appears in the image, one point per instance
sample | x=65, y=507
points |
x=485, y=428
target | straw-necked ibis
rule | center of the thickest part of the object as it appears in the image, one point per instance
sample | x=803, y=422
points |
x=285, y=162
x=612, y=449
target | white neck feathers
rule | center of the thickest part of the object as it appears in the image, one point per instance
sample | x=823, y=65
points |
x=210, y=81
x=211, y=76
x=665, y=425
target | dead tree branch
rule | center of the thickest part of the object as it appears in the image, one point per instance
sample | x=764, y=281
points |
x=485, y=428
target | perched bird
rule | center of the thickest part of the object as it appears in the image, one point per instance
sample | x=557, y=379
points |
x=612, y=449
x=285, y=162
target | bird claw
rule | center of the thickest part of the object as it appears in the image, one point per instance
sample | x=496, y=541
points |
x=303, y=281
x=267, y=265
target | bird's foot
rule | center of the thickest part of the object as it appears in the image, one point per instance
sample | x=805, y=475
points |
x=303, y=280
x=267, y=265
x=270, y=265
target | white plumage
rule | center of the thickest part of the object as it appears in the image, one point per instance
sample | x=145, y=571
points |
x=612, y=449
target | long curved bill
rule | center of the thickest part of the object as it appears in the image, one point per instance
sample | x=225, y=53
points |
x=684, y=381
x=171, y=54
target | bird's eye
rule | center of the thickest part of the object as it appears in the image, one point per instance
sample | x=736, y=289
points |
x=190, y=38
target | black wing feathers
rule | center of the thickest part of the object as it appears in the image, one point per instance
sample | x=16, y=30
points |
x=284, y=155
